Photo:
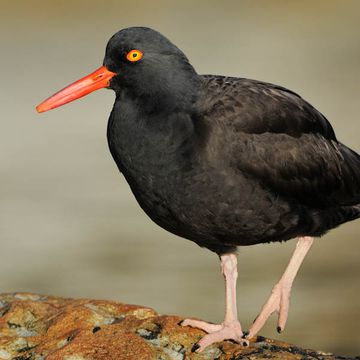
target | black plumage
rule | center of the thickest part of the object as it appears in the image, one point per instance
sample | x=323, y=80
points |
x=221, y=161
x=225, y=161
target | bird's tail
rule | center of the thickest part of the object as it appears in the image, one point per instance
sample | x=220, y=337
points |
x=352, y=168
x=356, y=208
x=332, y=217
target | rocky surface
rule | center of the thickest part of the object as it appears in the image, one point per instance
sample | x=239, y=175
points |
x=37, y=327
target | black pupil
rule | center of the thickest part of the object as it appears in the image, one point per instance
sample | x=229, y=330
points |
x=134, y=55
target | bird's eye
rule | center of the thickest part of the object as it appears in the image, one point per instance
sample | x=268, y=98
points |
x=134, y=55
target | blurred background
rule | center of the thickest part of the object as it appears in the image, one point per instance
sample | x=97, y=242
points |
x=68, y=221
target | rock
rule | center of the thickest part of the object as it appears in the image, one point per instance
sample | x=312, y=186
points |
x=38, y=327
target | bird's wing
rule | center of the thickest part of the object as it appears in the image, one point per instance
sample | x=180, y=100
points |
x=279, y=139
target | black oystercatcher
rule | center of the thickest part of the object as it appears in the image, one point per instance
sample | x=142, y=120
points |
x=221, y=161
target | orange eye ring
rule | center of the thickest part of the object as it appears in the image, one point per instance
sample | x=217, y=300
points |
x=134, y=55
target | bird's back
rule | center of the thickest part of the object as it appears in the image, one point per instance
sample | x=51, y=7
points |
x=276, y=137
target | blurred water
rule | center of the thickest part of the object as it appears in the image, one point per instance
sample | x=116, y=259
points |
x=69, y=224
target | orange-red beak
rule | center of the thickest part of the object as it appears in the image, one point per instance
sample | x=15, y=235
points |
x=100, y=78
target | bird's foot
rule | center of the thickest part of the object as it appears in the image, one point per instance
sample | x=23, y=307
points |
x=279, y=301
x=216, y=333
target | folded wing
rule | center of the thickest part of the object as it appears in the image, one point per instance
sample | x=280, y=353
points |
x=282, y=141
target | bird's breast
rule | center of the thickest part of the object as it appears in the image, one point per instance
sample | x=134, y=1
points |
x=187, y=190
x=155, y=154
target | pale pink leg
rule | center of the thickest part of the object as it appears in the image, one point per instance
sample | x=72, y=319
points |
x=230, y=329
x=279, y=300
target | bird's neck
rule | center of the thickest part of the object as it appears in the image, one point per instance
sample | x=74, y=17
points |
x=162, y=91
x=147, y=144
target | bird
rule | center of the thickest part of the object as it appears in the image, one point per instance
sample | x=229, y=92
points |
x=221, y=161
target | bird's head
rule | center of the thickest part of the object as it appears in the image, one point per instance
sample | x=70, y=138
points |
x=140, y=61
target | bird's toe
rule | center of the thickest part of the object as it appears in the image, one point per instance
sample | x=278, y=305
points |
x=225, y=333
x=203, y=325
x=279, y=302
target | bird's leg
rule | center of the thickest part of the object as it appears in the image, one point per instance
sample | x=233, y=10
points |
x=279, y=300
x=230, y=329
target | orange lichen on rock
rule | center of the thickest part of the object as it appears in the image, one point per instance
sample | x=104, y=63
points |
x=37, y=327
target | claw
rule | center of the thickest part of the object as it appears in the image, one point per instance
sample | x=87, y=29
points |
x=195, y=347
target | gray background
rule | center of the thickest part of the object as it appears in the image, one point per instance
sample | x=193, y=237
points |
x=69, y=223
